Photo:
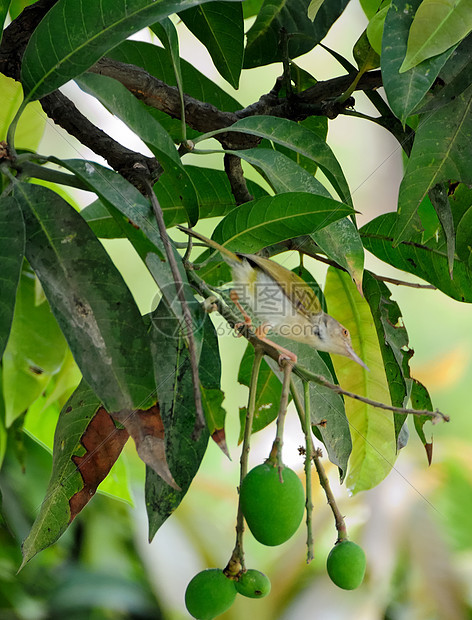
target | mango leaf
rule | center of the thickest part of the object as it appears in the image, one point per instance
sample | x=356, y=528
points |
x=83, y=33
x=454, y=78
x=268, y=393
x=119, y=101
x=328, y=417
x=12, y=247
x=297, y=138
x=340, y=240
x=210, y=379
x=32, y=122
x=213, y=194
x=313, y=8
x=98, y=316
x=393, y=342
x=86, y=444
x=442, y=151
x=463, y=238
x=4, y=5
x=437, y=26
x=370, y=7
x=405, y=91
x=92, y=304
x=263, y=39
x=34, y=353
x=167, y=33
x=364, y=54
x=256, y=224
x=373, y=431
x=420, y=399
x=425, y=260
x=3, y=430
x=283, y=174
x=116, y=98
x=440, y=201
x=156, y=62
x=220, y=27
x=174, y=381
x=375, y=29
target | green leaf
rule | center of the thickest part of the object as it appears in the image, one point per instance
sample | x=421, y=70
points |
x=220, y=27
x=210, y=379
x=4, y=5
x=425, y=260
x=213, y=194
x=313, y=8
x=340, y=240
x=375, y=29
x=259, y=223
x=442, y=151
x=373, y=432
x=12, y=247
x=102, y=223
x=268, y=393
x=32, y=122
x=297, y=138
x=176, y=403
x=370, y=7
x=420, y=399
x=464, y=239
x=167, y=33
x=119, y=101
x=156, y=62
x=83, y=33
x=34, y=353
x=454, y=77
x=440, y=202
x=393, y=341
x=89, y=298
x=263, y=39
x=327, y=408
x=437, y=26
x=405, y=91
x=283, y=174
x=68, y=490
x=365, y=56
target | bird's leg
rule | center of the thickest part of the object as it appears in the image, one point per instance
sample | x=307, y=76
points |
x=261, y=332
x=235, y=299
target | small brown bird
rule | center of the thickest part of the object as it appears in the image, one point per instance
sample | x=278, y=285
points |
x=283, y=302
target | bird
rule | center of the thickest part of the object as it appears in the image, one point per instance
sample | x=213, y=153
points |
x=283, y=302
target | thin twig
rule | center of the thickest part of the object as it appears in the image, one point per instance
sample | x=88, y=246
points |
x=402, y=282
x=236, y=562
x=188, y=326
x=308, y=457
x=310, y=376
x=275, y=455
x=339, y=522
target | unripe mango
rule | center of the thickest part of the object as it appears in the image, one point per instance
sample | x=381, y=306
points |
x=253, y=584
x=346, y=565
x=273, y=509
x=209, y=594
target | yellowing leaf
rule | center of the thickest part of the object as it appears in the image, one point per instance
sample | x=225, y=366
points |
x=437, y=26
x=31, y=125
x=372, y=430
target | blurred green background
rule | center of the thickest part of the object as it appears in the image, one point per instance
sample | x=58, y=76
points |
x=415, y=527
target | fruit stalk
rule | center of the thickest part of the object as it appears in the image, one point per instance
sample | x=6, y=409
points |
x=236, y=562
x=275, y=455
x=308, y=457
x=323, y=478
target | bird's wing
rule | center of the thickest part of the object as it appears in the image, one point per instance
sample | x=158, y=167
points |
x=302, y=296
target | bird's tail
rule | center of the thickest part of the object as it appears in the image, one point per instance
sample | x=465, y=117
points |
x=229, y=256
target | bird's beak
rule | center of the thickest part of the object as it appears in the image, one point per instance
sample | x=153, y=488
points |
x=353, y=355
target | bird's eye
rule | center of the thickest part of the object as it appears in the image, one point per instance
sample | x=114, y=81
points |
x=345, y=332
